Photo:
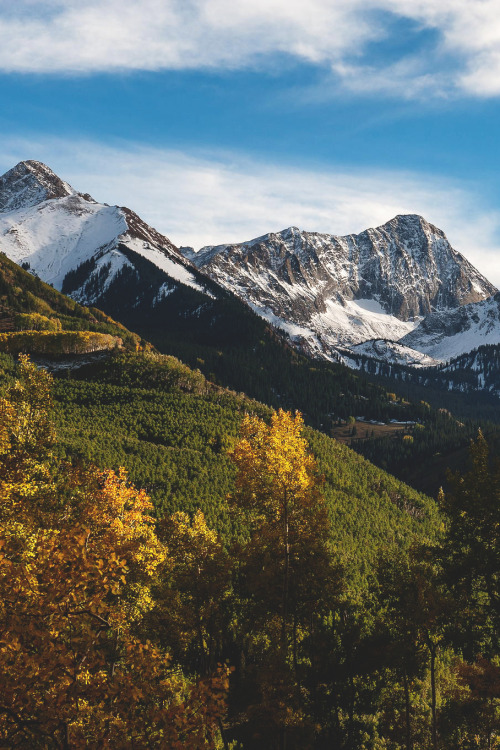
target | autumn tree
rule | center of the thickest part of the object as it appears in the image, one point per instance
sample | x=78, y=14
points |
x=193, y=601
x=78, y=560
x=288, y=575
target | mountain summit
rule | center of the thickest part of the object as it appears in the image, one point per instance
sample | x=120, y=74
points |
x=329, y=291
x=107, y=257
x=53, y=230
x=30, y=183
x=399, y=292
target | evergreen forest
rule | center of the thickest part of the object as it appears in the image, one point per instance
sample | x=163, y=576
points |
x=182, y=566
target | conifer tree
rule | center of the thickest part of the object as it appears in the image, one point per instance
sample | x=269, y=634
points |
x=471, y=549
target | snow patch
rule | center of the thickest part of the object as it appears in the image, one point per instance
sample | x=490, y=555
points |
x=57, y=236
x=163, y=292
x=172, y=268
x=371, y=305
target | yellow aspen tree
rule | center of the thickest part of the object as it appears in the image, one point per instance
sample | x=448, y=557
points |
x=278, y=484
x=290, y=576
x=79, y=557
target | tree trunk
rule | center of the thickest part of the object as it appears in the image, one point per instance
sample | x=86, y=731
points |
x=295, y=642
x=284, y=639
x=286, y=573
x=223, y=735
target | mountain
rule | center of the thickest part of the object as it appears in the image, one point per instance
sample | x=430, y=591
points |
x=440, y=337
x=330, y=293
x=108, y=257
x=399, y=293
x=70, y=240
x=472, y=371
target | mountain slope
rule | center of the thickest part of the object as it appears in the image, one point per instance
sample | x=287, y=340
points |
x=172, y=429
x=52, y=229
x=106, y=256
x=328, y=291
x=440, y=337
x=34, y=316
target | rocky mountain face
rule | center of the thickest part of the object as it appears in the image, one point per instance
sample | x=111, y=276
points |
x=30, y=183
x=407, y=265
x=397, y=294
x=449, y=334
x=331, y=293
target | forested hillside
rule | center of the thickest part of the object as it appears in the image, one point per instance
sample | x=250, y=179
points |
x=467, y=385
x=172, y=430
x=36, y=318
x=349, y=613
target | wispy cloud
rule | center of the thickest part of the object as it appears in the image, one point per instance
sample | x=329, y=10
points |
x=85, y=36
x=198, y=199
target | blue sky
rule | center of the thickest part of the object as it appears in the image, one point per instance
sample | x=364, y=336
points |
x=218, y=121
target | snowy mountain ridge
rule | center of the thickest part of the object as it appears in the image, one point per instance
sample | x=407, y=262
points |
x=398, y=293
x=332, y=293
x=51, y=228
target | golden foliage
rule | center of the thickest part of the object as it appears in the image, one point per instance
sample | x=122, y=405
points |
x=60, y=342
x=36, y=322
x=78, y=558
x=275, y=469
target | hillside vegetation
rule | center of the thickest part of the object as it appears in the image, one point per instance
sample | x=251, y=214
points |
x=36, y=318
x=351, y=613
x=172, y=429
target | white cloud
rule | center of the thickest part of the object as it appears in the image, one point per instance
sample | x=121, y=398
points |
x=72, y=36
x=209, y=199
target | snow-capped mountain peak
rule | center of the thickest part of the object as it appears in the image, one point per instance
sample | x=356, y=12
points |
x=397, y=293
x=30, y=183
x=67, y=237
x=343, y=291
